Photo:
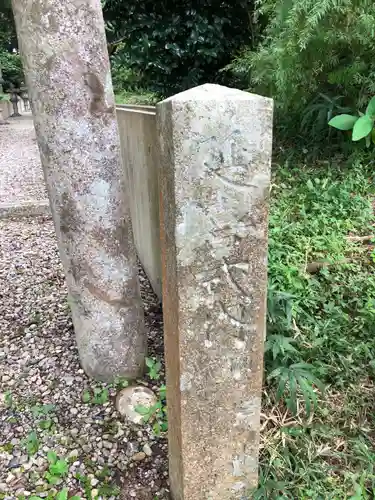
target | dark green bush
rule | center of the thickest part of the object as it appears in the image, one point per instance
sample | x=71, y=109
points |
x=8, y=37
x=12, y=70
x=173, y=44
x=123, y=76
x=309, y=48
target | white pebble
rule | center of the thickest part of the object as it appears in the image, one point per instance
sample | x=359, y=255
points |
x=147, y=450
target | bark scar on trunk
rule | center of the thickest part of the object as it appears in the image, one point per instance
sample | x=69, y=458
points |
x=101, y=295
x=98, y=104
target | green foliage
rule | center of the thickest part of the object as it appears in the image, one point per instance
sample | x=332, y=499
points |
x=8, y=38
x=156, y=413
x=318, y=112
x=8, y=399
x=86, y=484
x=109, y=490
x=153, y=367
x=106, y=489
x=137, y=97
x=268, y=488
x=279, y=345
x=45, y=412
x=292, y=378
x=370, y=110
x=58, y=468
x=120, y=383
x=296, y=376
x=11, y=67
x=172, y=45
x=123, y=76
x=363, y=126
x=311, y=47
x=46, y=424
x=343, y=122
x=86, y=396
x=60, y=495
x=31, y=443
x=42, y=410
x=320, y=330
x=98, y=396
x=64, y=495
x=10, y=61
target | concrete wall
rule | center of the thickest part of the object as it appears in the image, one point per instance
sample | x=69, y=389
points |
x=136, y=107
x=139, y=148
x=7, y=108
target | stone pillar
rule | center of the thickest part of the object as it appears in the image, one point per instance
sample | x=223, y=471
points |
x=25, y=98
x=14, y=98
x=215, y=174
x=65, y=58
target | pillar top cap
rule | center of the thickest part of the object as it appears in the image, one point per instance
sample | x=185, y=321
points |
x=213, y=92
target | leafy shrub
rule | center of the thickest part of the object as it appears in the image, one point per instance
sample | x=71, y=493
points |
x=8, y=37
x=362, y=126
x=123, y=77
x=312, y=47
x=318, y=112
x=11, y=67
x=173, y=45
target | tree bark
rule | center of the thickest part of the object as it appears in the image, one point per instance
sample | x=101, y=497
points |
x=66, y=63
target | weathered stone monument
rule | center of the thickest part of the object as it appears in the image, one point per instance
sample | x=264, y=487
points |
x=14, y=98
x=215, y=173
x=68, y=76
x=25, y=98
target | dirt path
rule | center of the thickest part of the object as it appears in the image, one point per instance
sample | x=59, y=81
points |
x=21, y=175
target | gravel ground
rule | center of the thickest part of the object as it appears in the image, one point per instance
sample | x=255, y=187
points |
x=21, y=175
x=42, y=386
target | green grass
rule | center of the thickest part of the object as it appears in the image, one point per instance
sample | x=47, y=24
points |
x=326, y=320
x=140, y=97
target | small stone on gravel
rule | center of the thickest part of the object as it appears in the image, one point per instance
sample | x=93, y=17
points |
x=129, y=398
x=141, y=455
x=147, y=450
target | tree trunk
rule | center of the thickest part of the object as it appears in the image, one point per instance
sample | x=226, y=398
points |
x=68, y=75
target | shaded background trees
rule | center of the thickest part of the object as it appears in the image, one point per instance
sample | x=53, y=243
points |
x=172, y=45
x=10, y=63
x=314, y=58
